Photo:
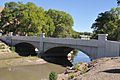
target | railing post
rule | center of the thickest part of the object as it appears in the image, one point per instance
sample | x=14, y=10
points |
x=102, y=37
x=10, y=34
x=0, y=34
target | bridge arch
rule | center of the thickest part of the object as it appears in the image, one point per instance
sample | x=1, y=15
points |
x=58, y=51
x=63, y=51
x=25, y=49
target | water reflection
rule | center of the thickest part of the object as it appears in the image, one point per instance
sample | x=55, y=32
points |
x=63, y=61
x=81, y=57
x=77, y=57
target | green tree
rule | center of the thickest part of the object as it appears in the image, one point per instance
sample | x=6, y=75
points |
x=107, y=23
x=22, y=18
x=8, y=20
x=29, y=19
x=63, y=23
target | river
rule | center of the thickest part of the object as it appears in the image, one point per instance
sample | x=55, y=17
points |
x=81, y=57
x=37, y=72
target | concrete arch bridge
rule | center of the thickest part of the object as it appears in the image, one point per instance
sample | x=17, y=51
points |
x=45, y=45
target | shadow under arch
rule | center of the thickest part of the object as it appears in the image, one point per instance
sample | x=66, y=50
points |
x=25, y=49
x=64, y=50
x=60, y=51
x=58, y=55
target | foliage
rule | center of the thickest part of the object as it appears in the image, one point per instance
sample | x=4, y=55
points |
x=83, y=68
x=12, y=48
x=63, y=23
x=77, y=67
x=53, y=76
x=71, y=75
x=29, y=19
x=108, y=23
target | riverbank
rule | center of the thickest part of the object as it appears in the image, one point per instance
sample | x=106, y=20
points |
x=10, y=58
x=15, y=67
x=99, y=69
x=21, y=61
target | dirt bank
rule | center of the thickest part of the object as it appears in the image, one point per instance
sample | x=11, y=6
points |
x=100, y=69
x=10, y=58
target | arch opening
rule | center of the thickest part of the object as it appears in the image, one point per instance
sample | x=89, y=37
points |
x=58, y=55
x=25, y=49
x=61, y=52
x=80, y=57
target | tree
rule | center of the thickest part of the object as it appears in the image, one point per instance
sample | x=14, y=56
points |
x=8, y=19
x=32, y=19
x=63, y=23
x=107, y=23
x=22, y=18
x=29, y=19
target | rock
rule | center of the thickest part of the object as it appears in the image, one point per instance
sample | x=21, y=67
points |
x=99, y=69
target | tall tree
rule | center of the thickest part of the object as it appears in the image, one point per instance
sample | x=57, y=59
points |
x=22, y=18
x=63, y=23
x=107, y=23
x=30, y=19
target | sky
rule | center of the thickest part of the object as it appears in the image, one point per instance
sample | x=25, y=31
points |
x=84, y=12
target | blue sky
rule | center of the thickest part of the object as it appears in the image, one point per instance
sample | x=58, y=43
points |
x=84, y=12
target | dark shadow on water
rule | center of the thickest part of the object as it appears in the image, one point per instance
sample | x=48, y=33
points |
x=63, y=61
x=112, y=71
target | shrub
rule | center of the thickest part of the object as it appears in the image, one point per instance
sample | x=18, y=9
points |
x=53, y=76
x=12, y=48
x=77, y=67
x=71, y=75
x=85, y=69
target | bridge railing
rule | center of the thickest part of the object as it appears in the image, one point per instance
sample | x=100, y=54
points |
x=26, y=38
x=71, y=41
x=42, y=38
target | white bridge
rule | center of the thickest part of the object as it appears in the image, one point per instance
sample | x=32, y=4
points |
x=45, y=45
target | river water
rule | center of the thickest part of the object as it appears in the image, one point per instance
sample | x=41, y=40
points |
x=81, y=57
x=37, y=72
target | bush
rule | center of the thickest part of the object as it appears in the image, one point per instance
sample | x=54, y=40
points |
x=53, y=76
x=12, y=48
x=85, y=69
x=71, y=76
x=77, y=67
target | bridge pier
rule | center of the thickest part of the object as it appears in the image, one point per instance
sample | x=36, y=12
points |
x=41, y=48
x=102, y=38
